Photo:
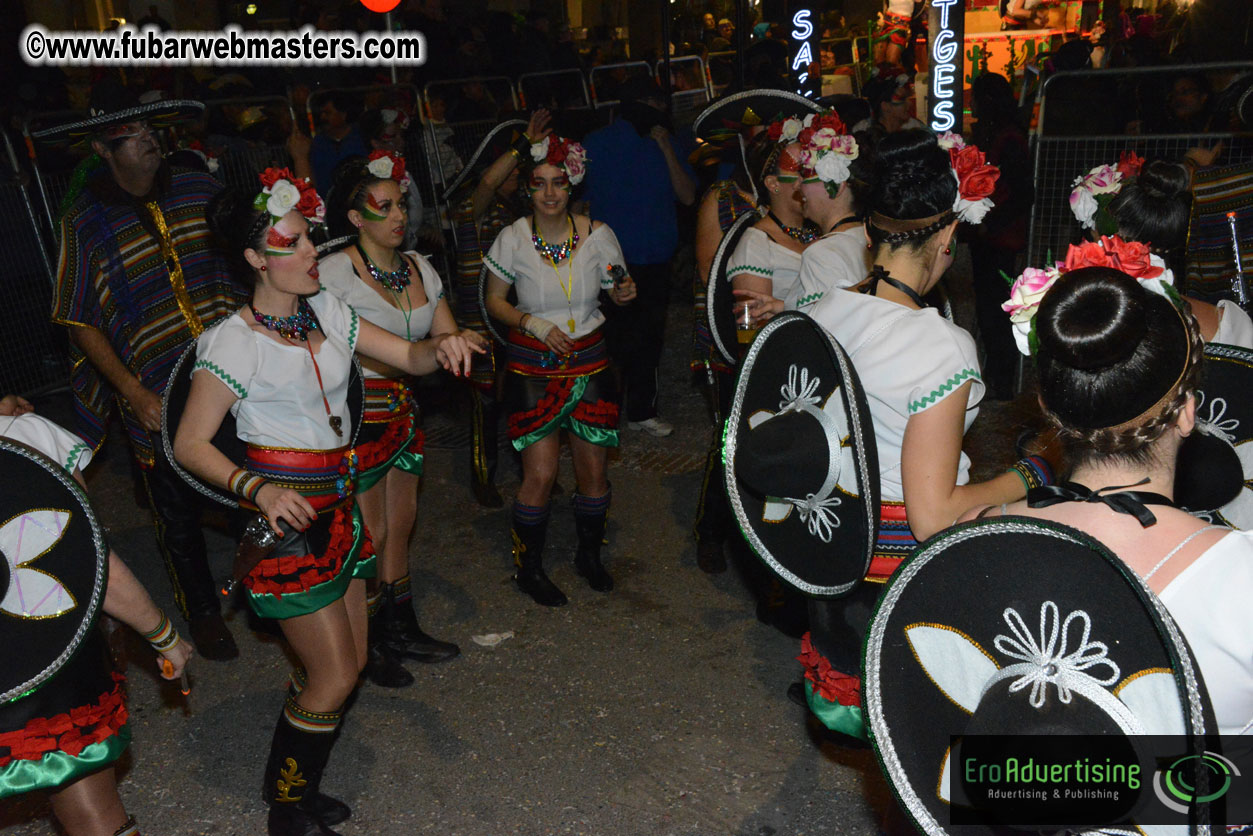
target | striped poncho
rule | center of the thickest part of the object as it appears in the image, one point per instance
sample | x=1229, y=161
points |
x=143, y=273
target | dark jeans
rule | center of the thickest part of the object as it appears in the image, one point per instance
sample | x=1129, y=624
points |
x=176, y=508
x=635, y=332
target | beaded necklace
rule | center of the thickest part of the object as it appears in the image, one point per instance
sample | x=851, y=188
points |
x=805, y=234
x=555, y=252
x=394, y=280
x=297, y=327
x=294, y=327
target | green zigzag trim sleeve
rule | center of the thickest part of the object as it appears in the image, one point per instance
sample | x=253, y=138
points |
x=222, y=375
x=946, y=387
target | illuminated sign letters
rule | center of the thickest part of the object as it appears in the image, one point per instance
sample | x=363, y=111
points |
x=803, y=57
x=944, y=99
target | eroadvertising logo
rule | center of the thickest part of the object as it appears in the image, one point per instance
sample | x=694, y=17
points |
x=1176, y=785
x=1065, y=781
x=380, y=6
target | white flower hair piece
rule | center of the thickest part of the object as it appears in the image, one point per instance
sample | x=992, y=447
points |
x=283, y=192
x=1084, y=203
x=539, y=150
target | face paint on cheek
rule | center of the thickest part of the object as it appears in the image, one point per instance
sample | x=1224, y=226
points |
x=278, y=244
x=373, y=211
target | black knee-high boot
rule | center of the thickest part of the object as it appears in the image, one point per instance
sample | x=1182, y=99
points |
x=530, y=528
x=589, y=521
x=382, y=665
x=293, y=774
x=399, y=629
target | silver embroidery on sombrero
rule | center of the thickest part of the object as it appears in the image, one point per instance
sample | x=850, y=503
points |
x=1214, y=423
x=798, y=391
x=1048, y=662
x=817, y=509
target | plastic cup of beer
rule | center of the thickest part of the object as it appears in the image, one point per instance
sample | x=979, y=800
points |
x=745, y=328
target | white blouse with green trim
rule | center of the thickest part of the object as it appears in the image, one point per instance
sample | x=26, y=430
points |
x=908, y=361
x=756, y=254
x=60, y=445
x=280, y=401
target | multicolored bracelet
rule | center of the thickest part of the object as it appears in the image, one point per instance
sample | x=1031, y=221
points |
x=163, y=637
x=1034, y=471
x=245, y=484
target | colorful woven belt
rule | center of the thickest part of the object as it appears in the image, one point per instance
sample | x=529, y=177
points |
x=386, y=399
x=324, y=477
x=533, y=358
x=894, y=543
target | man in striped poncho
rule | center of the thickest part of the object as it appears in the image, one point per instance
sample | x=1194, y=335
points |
x=137, y=280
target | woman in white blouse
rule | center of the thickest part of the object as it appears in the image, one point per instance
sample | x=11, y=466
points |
x=281, y=366
x=399, y=292
x=1118, y=367
x=560, y=264
x=767, y=259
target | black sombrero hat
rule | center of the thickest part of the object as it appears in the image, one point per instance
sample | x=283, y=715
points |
x=113, y=104
x=801, y=465
x=719, y=301
x=1214, y=473
x=226, y=440
x=493, y=325
x=478, y=160
x=53, y=572
x=1020, y=627
x=723, y=119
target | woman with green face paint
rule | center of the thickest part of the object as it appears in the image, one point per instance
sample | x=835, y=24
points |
x=402, y=293
x=281, y=366
x=561, y=265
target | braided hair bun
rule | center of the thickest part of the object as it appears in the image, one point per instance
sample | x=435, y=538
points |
x=1109, y=350
x=1154, y=208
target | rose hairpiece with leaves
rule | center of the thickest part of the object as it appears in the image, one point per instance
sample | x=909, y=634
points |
x=1130, y=257
x=976, y=179
x=565, y=154
x=1093, y=192
x=389, y=165
x=282, y=192
x=827, y=149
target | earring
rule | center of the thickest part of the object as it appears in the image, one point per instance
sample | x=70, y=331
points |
x=358, y=226
x=775, y=190
x=262, y=268
x=948, y=250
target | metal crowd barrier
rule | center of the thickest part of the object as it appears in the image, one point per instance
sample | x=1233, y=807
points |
x=607, y=78
x=399, y=96
x=32, y=350
x=689, y=88
x=566, y=89
x=1062, y=152
x=469, y=99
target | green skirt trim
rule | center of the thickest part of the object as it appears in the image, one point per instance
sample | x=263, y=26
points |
x=326, y=593
x=56, y=769
x=592, y=435
x=847, y=719
x=402, y=459
x=561, y=419
x=408, y=462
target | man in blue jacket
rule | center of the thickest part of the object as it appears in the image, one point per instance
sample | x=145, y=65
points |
x=638, y=173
